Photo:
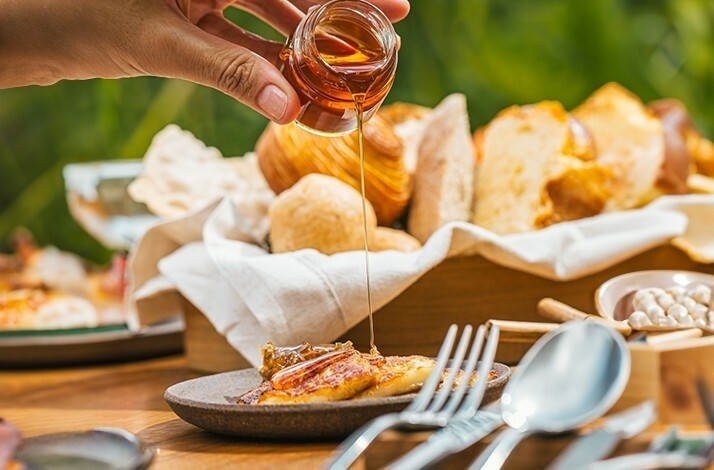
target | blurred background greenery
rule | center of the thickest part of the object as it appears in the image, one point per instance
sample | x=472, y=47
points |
x=496, y=52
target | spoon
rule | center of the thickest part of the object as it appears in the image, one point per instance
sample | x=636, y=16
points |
x=111, y=448
x=569, y=377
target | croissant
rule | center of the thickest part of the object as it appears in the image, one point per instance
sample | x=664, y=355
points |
x=287, y=153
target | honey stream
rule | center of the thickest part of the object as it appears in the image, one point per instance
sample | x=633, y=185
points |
x=356, y=56
x=359, y=100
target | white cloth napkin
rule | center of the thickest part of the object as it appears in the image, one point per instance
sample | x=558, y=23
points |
x=251, y=296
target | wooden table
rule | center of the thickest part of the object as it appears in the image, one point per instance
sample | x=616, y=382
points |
x=129, y=396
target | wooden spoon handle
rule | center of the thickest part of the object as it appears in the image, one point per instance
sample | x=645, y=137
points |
x=558, y=311
x=522, y=331
x=662, y=338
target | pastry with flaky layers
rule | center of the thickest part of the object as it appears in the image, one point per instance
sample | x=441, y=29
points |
x=288, y=153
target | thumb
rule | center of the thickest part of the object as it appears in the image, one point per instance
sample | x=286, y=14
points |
x=195, y=55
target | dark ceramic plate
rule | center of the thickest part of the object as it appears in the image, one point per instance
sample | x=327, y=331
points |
x=54, y=348
x=210, y=403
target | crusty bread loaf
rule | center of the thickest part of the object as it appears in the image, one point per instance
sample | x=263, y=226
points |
x=319, y=212
x=536, y=169
x=443, y=182
x=287, y=153
x=700, y=184
x=630, y=140
x=687, y=150
x=409, y=123
x=386, y=238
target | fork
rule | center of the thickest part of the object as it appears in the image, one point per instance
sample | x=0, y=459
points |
x=432, y=408
x=460, y=433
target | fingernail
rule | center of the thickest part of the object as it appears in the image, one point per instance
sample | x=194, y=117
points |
x=273, y=101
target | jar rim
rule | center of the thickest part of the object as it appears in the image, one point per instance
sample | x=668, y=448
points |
x=362, y=8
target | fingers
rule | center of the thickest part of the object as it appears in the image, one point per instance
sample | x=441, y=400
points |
x=280, y=14
x=195, y=55
x=395, y=10
x=303, y=5
x=218, y=25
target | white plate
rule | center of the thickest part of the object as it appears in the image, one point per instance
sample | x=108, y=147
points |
x=613, y=299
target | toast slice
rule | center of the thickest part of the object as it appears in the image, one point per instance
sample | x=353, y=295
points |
x=334, y=376
x=443, y=181
x=399, y=375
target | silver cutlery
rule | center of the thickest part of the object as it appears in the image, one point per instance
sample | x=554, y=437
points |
x=707, y=401
x=111, y=448
x=667, y=451
x=602, y=442
x=458, y=435
x=671, y=450
x=433, y=406
x=568, y=378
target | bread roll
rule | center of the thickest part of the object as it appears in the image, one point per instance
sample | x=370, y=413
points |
x=319, y=212
x=536, y=169
x=443, y=182
x=287, y=153
x=391, y=239
x=630, y=140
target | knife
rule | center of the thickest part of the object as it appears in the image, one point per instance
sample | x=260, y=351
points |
x=601, y=442
x=459, y=434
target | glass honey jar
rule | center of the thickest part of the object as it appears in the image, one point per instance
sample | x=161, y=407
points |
x=342, y=51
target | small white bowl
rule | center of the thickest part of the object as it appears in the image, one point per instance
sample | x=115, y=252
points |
x=613, y=299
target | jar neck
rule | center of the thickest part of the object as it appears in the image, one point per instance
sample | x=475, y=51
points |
x=348, y=25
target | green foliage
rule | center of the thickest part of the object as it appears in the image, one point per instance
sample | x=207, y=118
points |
x=498, y=53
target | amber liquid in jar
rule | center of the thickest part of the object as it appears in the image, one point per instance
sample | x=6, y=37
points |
x=341, y=49
x=341, y=61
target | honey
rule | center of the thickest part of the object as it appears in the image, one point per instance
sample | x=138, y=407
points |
x=342, y=48
x=341, y=61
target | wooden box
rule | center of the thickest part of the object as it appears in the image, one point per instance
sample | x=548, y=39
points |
x=460, y=290
x=668, y=373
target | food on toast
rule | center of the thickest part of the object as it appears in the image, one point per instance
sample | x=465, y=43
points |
x=277, y=358
x=316, y=374
x=334, y=376
x=399, y=375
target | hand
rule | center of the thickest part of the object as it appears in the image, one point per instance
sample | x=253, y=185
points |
x=43, y=41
